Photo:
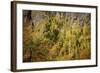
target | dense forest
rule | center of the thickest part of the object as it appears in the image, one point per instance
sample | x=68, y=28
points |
x=56, y=36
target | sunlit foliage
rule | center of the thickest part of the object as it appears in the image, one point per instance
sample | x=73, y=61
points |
x=55, y=36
